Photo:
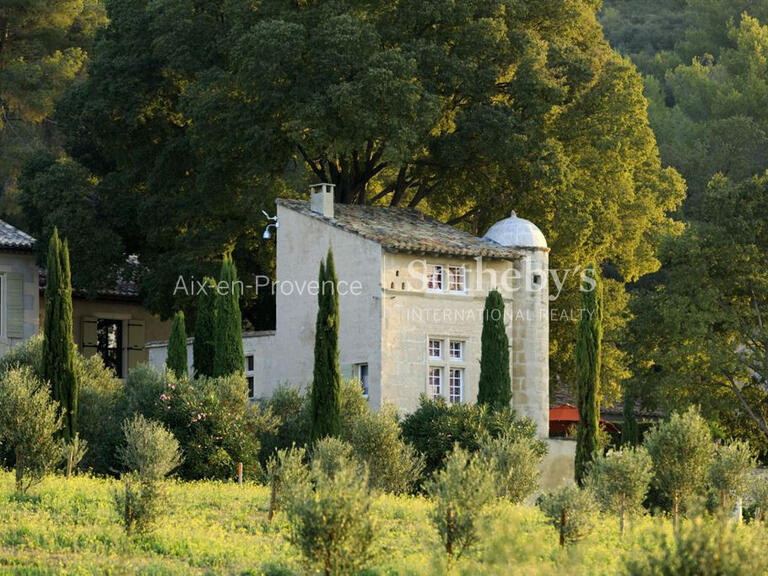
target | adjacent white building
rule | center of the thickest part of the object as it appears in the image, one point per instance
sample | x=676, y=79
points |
x=411, y=297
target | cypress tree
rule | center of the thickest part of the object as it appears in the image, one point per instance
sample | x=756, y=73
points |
x=58, y=342
x=204, y=345
x=228, y=342
x=177, y=346
x=326, y=382
x=630, y=434
x=588, y=348
x=495, y=388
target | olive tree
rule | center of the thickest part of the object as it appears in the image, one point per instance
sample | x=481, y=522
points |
x=729, y=471
x=514, y=463
x=459, y=491
x=620, y=481
x=571, y=510
x=681, y=449
x=29, y=422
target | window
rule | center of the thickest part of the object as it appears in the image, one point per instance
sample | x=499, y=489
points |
x=435, y=278
x=456, y=385
x=435, y=382
x=109, y=338
x=250, y=376
x=362, y=375
x=451, y=365
x=457, y=279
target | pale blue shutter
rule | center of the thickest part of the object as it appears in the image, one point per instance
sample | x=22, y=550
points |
x=15, y=305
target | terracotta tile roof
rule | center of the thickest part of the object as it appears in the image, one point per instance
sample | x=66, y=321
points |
x=122, y=289
x=406, y=230
x=11, y=238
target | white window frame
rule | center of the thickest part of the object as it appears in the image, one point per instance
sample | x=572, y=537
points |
x=431, y=268
x=250, y=374
x=460, y=371
x=432, y=393
x=446, y=363
x=463, y=270
x=359, y=375
x=461, y=346
x=439, y=342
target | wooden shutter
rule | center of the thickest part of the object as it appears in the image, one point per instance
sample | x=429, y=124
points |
x=89, y=336
x=15, y=305
x=137, y=353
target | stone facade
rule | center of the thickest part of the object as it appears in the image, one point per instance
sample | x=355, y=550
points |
x=388, y=312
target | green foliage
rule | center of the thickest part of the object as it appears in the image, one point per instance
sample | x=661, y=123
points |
x=758, y=496
x=630, y=433
x=58, y=342
x=514, y=465
x=495, y=387
x=331, y=520
x=73, y=453
x=43, y=49
x=326, y=380
x=588, y=357
x=177, y=346
x=620, y=480
x=571, y=510
x=729, y=472
x=29, y=421
x=285, y=472
x=204, y=345
x=99, y=413
x=150, y=453
x=681, y=449
x=435, y=426
x=150, y=450
x=460, y=491
x=701, y=548
x=215, y=424
x=465, y=112
x=228, y=346
x=699, y=335
x=394, y=466
x=290, y=407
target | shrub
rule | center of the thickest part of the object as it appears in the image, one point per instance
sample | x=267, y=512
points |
x=146, y=389
x=285, y=472
x=729, y=472
x=703, y=548
x=73, y=452
x=150, y=450
x=99, y=414
x=514, y=463
x=216, y=425
x=758, y=495
x=150, y=453
x=435, y=426
x=290, y=409
x=330, y=516
x=571, y=510
x=681, y=451
x=29, y=421
x=394, y=466
x=460, y=491
x=620, y=480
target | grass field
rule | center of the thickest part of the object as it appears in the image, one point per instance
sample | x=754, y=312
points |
x=72, y=527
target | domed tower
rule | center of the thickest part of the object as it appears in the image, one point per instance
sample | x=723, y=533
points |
x=529, y=354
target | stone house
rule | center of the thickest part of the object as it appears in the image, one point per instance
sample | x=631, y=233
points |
x=411, y=296
x=112, y=323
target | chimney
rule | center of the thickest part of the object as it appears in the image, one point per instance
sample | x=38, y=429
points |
x=321, y=196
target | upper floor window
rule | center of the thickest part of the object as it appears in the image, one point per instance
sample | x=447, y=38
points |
x=435, y=278
x=435, y=349
x=457, y=279
x=457, y=350
x=435, y=382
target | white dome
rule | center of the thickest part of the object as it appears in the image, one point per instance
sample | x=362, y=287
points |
x=516, y=232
